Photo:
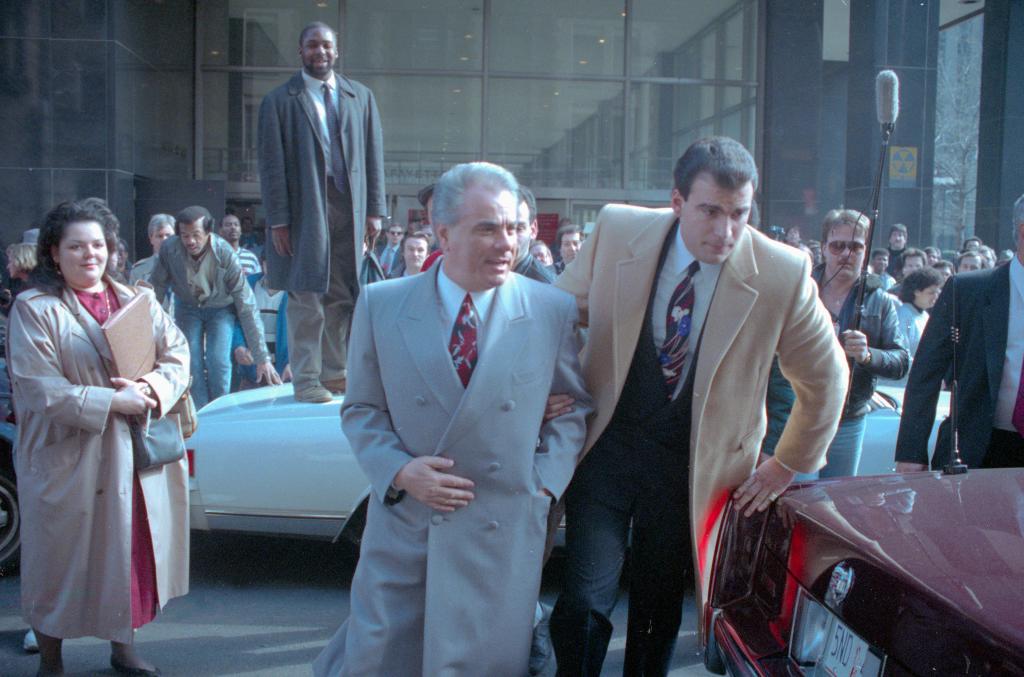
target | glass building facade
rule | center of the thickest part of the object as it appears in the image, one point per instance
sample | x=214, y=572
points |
x=153, y=104
x=586, y=101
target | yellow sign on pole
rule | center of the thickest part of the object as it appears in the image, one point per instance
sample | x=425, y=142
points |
x=902, y=166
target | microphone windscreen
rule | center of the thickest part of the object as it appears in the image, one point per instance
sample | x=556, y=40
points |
x=887, y=97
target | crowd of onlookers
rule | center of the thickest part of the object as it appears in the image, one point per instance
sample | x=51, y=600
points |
x=228, y=357
x=914, y=277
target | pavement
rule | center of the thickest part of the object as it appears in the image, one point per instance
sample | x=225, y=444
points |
x=263, y=607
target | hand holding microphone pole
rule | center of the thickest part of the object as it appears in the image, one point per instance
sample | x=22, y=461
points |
x=887, y=103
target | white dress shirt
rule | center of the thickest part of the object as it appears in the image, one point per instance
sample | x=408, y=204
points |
x=1007, y=397
x=451, y=300
x=316, y=95
x=677, y=260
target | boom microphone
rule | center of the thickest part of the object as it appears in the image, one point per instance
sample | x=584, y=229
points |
x=887, y=100
x=887, y=97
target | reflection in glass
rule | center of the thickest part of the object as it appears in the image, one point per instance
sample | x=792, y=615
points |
x=668, y=118
x=557, y=133
x=716, y=40
x=413, y=34
x=430, y=123
x=231, y=105
x=579, y=37
x=258, y=32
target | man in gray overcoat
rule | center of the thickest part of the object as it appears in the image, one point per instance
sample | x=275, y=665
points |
x=450, y=430
x=321, y=159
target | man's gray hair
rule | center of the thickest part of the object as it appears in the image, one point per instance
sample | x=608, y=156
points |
x=450, y=188
x=158, y=221
x=1018, y=211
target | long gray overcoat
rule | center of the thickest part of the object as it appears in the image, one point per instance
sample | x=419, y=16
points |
x=453, y=594
x=294, y=182
x=74, y=465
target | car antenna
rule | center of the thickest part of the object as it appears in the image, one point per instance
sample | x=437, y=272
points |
x=956, y=466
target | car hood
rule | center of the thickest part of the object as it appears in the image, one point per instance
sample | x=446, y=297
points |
x=260, y=404
x=960, y=537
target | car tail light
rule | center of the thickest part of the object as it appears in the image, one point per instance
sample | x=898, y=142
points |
x=736, y=560
x=191, y=455
x=810, y=630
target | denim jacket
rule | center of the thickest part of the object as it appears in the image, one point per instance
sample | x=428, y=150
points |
x=888, y=347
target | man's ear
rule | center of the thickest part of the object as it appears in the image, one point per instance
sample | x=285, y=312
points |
x=441, y=233
x=677, y=201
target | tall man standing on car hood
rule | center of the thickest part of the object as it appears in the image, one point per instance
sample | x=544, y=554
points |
x=687, y=307
x=321, y=158
x=450, y=374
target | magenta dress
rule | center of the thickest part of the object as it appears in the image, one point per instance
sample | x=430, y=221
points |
x=143, y=570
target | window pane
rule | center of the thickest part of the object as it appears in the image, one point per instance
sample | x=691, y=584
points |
x=258, y=32
x=413, y=34
x=556, y=133
x=231, y=105
x=579, y=37
x=957, y=110
x=668, y=118
x=430, y=123
x=694, y=38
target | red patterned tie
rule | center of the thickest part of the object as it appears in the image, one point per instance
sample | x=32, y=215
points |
x=1018, y=407
x=677, y=329
x=462, y=345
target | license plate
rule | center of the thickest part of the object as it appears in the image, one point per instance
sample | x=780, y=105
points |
x=846, y=654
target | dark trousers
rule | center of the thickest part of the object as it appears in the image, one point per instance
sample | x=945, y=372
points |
x=624, y=480
x=1005, y=450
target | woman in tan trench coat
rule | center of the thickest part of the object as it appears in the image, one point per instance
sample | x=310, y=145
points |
x=103, y=546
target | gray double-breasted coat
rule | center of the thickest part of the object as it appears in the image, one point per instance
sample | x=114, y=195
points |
x=294, y=182
x=448, y=594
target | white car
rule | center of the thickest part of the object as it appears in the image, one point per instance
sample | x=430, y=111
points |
x=262, y=462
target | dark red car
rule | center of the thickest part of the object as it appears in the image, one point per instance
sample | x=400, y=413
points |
x=914, y=574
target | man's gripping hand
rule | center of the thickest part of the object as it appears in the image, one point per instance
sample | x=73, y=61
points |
x=424, y=479
x=764, y=486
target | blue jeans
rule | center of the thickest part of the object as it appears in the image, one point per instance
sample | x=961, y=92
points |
x=843, y=456
x=208, y=332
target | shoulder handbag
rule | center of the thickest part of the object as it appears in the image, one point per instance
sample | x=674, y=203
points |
x=154, y=442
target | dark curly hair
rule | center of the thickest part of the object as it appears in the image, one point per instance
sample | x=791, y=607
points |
x=47, y=276
x=919, y=280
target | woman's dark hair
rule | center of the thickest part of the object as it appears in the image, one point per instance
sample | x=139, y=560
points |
x=919, y=280
x=46, y=275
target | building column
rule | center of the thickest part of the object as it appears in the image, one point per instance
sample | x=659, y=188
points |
x=901, y=35
x=792, y=115
x=1001, y=122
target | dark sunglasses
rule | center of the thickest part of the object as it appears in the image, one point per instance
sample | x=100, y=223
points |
x=837, y=247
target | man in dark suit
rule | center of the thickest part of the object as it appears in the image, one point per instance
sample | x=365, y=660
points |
x=322, y=175
x=526, y=232
x=686, y=308
x=989, y=311
x=389, y=253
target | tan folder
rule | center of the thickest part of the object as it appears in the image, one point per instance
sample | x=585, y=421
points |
x=129, y=332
